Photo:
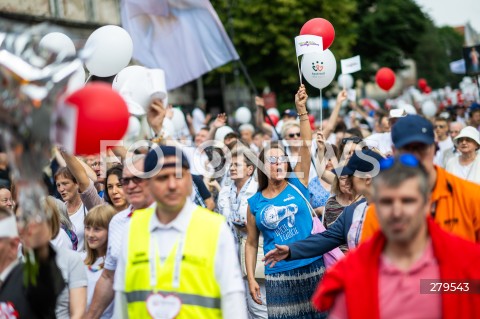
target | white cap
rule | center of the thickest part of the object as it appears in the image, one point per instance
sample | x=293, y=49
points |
x=246, y=127
x=397, y=113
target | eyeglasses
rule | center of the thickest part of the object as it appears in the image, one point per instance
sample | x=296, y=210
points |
x=277, y=159
x=292, y=135
x=406, y=159
x=354, y=139
x=439, y=126
x=126, y=180
x=464, y=139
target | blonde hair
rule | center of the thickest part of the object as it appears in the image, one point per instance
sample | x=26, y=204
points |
x=288, y=126
x=98, y=216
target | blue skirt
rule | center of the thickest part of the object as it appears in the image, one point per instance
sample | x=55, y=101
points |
x=289, y=293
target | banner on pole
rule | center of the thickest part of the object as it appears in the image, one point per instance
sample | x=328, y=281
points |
x=351, y=65
x=308, y=44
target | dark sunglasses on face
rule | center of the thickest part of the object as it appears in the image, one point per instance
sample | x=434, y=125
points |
x=292, y=135
x=406, y=159
x=353, y=139
x=126, y=180
x=277, y=159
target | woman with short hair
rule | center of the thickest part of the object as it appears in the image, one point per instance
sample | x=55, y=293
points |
x=467, y=165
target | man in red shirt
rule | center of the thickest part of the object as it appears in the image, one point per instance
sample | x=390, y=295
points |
x=401, y=271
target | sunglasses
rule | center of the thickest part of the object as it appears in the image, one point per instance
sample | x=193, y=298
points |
x=126, y=180
x=292, y=135
x=405, y=159
x=277, y=159
x=355, y=139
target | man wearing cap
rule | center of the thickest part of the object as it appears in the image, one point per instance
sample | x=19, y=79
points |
x=454, y=201
x=178, y=260
x=31, y=300
x=362, y=166
x=411, y=268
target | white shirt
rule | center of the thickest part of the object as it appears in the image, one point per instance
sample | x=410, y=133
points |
x=77, y=220
x=198, y=119
x=443, y=146
x=62, y=241
x=227, y=267
x=381, y=141
x=93, y=274
x=117, y=229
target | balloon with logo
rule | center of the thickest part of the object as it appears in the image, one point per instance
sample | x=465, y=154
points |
x=111, y=50
x=130, y=82
x=385, y=78
x=178, y=120
x=429, y=109
x=319, y=68
x=243, y=115
x=100, y=114
x=322, y=28
x=345, y=81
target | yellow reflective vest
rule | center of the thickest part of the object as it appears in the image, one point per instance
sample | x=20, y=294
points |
x=198, y=289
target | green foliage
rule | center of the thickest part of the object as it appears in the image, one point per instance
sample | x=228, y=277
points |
x=438, y=47
x=389, y=31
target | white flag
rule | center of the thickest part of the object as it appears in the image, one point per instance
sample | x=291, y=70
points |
x=185, y=38
x=458, y=67
x=308, y=44
x=351, y=65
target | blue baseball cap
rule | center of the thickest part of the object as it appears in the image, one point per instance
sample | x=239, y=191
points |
x=157, y=154
x=289, y=112
x=412, y=129
x=356, y=163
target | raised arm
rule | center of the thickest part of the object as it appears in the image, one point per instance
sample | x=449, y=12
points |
x=321, y=161
x=251, y=250
x=79, y=170
x=220, y=121
x=302, y=169
x=155, y=115
x=332, y=121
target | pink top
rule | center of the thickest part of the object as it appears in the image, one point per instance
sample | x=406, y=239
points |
x=399, y=291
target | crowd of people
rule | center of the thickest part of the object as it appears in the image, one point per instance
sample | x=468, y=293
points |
x=245, y=225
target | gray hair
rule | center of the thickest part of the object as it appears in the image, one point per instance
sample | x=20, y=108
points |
x=393, y=177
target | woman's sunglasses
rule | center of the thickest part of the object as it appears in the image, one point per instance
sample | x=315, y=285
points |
x=277, y=159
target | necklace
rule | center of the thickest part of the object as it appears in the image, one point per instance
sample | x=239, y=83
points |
x=94, y=269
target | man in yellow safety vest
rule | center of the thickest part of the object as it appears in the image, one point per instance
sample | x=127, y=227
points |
x=178, y=260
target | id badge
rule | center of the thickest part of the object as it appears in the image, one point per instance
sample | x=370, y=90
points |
x=163, y=306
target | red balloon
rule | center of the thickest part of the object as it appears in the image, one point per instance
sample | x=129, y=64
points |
x=322, y=28
x=385, y=78
x=274, y=119
x=422, y=83
x=102, y=114
x=427, y=90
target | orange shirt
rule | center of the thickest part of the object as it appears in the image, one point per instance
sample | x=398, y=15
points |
x=456, y=203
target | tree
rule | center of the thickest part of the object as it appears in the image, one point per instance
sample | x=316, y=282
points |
x=388, y=32
x=438, y=47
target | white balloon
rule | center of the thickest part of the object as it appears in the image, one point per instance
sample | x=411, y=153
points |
x=429, y=109
x=273, y=111
x=222, y=132
x=137, y=85
x=345, y=81
x=134, y=128
x=319, y=68
x=58, y=43
x=409, y=109
x=178, y=120
x=76, y=81
x=111, y=50
x=243, y=115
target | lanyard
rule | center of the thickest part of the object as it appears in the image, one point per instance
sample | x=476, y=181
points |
x=360, y=225
x=155, y=258
x=235, y=200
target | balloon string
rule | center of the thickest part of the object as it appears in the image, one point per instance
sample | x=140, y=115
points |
x=299, y=71
x=321, y=109
x=88, y=79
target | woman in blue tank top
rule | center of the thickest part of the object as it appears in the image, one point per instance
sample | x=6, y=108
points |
x=279, y=211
